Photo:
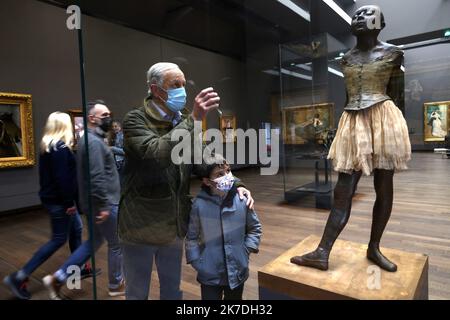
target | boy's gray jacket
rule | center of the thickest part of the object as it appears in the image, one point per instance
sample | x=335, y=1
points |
x=219, y=240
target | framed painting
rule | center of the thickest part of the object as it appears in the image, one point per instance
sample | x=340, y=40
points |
x=228, y=128
x=436, y=121
x=307, y=124
x=78, y=125
x=16, y=131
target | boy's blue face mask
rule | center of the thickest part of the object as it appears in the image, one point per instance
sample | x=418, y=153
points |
x=176, y=99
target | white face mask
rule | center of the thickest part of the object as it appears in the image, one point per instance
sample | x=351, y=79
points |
x=224, y=183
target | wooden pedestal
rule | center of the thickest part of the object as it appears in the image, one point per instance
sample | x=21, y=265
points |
x=350, y=275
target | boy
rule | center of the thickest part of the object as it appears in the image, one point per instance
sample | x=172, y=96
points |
x=221, y=235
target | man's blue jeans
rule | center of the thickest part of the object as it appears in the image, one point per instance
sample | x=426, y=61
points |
x=63, y=227
x=138, y=262
x=106, y=230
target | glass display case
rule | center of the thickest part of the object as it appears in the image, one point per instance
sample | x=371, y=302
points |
x=309, y=118
x=313, y=95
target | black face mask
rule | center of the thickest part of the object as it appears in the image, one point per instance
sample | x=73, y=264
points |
x=106, y=124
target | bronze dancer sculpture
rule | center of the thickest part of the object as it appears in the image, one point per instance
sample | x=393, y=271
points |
x=372, y=137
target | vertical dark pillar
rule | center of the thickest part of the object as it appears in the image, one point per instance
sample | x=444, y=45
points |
x=320, y=55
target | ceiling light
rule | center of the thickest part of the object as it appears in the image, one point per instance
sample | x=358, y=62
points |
x=296, y=74
x=294, y=7
x=336, y=72
x=304, y=67
x=272, y=72
x=289, y=73
x=338, y=10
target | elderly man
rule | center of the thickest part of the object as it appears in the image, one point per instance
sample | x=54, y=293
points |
x=155, y=202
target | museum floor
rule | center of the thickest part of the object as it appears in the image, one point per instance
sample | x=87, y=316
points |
x=420, y=223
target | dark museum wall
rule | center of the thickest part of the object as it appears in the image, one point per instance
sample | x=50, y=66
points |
x=117, y=59
x=40, y=57
x=408, y=17
x=427, y=79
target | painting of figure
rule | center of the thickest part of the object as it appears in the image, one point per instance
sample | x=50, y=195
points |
x=307, y=124
x=10, y=131
x=16, y=130
x=436, y=121
x=78, y=125
x=228, y=128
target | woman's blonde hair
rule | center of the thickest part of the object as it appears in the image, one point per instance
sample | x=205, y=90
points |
x=58, y=128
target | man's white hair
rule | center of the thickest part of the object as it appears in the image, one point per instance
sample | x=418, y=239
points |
x=155, y=75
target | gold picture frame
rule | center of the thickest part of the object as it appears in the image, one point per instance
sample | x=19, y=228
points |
x=77, y=124
x=308, y=123
x=16, y=131
x=228, y=128
x=436, y=122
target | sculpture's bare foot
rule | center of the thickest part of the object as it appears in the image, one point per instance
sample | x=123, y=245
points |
x=317, y=259
x=374, y=254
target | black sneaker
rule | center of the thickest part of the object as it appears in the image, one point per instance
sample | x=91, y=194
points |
x=18, y=288
x=87, y=272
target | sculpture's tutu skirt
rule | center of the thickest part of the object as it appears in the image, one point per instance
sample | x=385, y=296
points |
x=373, y=138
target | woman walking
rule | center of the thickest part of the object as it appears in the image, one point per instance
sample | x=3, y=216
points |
x=58, y=193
